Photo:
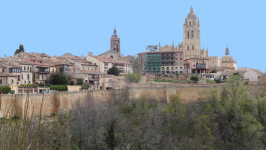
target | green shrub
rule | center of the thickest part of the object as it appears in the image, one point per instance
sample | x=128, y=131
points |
x=59, y=87
x=79, y=81
x=194, y=78
x=5, y=89
x=133, y=77
x=85, y=85
x=210, y=81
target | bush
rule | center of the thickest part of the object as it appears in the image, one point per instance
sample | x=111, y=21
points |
x=113, y=71
x=71, y=83
x=133, y=77
x=214, y=71
x=85, y=85
x=194, y=78
x=79, y=81
x=210, y=81
x=59, y=87
x=5, y=89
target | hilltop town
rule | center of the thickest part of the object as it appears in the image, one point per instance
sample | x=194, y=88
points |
x=171, y=63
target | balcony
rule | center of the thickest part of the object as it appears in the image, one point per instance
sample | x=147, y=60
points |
x=200, y=66
x=43, y=71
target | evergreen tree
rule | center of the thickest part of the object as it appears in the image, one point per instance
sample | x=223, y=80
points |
x=113, y=71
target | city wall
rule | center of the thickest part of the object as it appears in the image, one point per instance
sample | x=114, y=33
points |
x=53, y=102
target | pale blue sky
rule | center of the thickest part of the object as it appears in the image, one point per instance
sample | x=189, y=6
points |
x=82, y=26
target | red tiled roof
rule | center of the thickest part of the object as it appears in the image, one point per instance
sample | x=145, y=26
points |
x=90, y=71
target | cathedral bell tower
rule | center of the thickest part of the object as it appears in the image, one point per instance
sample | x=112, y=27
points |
x=115, y=42
x=191, y=36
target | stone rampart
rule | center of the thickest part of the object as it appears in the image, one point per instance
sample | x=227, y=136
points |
x=54, y=102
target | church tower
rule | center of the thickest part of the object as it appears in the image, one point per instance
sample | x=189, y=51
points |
x=227, y=50
x=191, y=36
x=115, y=42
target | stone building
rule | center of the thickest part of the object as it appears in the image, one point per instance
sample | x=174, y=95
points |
x=191, y=49
x=115, y=49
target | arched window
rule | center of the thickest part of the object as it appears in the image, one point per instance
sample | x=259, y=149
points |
x=192, y=47
x=192, y=36
x=187, y=47
x=112, y=56
x=189, y=23
x=188, y=34
x=115, y=45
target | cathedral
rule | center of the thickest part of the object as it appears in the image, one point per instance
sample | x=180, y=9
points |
x=190, y=46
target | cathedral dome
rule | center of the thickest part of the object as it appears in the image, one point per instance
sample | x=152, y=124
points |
x=191, y=13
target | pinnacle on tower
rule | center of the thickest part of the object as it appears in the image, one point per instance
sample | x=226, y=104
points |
x=191, y=9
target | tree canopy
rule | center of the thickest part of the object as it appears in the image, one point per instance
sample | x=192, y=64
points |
x=133, y=77
x=113, y=71
x=85, y=85
x=58, y=79
x=20, y=49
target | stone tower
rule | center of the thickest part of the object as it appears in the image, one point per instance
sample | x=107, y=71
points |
x=191, y=36
x=115, y=42
x=227, y=50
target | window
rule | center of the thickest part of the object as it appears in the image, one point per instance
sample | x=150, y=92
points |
x=12, y=81
x=162, y=68
x=192, y=47
x=180, y=67
x=175, y=67
x=29, y=81
x=180, y=54
x=176, y=59
x=18, y=77
x=88, y=68
x=30, y=68
x=83, y=68
x=189, y=23
x=175, y=54
x=180, y=71
x=176, y=63
x=0, y=81
x=153, y=68
x=193, y=60
x=167, y=68
x=172, y=68
x=192, y=35
x=28, y=77
x=180, y=58
x=180, y=63
x=91, y=68
x=27, y=68
x=24, y=67
x=194, y=65
x=21, y=76
x=25, y=81
x=188, y=34
x=95, y=68
x=187, y=47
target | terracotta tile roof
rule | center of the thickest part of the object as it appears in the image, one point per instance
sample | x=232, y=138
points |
x=38, y=64
x=90, y=71
x=110, y=60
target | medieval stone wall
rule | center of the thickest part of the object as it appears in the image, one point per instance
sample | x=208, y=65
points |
x=54, y=102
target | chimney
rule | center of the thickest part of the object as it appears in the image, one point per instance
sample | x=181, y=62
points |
x=82, y=56
x=90, y=54
x=4, y=56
